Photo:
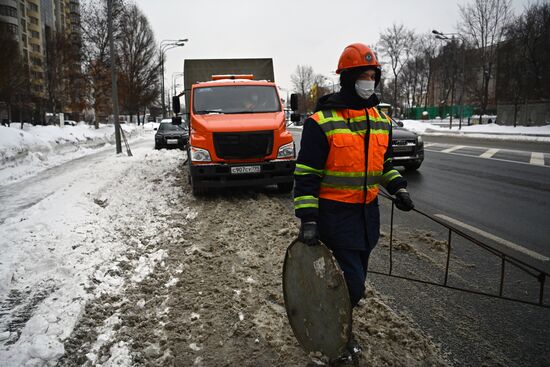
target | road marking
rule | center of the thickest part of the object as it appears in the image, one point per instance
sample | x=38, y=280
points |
x=452, y=149
x=489, y=153
x=537, y=159
x=491, y=236
x=494, y=159
x=429, y=144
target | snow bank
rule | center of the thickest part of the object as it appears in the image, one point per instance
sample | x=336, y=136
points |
x=486, y=131
x=69, y=248
x=25, y=152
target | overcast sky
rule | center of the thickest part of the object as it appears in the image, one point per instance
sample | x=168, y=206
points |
x=291, y=32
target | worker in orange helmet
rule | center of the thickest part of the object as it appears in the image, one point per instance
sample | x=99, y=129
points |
x=345, y=156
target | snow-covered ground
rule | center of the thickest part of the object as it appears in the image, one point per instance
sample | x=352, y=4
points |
x=484, y=131
x=25, y=152
x=108, y=260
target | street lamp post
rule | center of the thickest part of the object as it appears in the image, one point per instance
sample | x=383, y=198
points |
x=166, y=45
x=451, y=37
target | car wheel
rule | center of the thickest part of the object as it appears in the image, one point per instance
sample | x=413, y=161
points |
x=412, y=166
x=285, y=187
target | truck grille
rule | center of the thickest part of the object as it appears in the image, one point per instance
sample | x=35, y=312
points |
x=243, y=145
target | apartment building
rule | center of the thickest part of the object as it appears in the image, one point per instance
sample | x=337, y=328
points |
x=34, y=23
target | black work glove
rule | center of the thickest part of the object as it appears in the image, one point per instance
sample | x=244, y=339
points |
x=403, y=200
x=309, y=234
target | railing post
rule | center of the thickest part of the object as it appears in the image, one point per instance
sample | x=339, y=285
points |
x=391, y=238
x=502, y=265
x=542, y=278
x=448, y=257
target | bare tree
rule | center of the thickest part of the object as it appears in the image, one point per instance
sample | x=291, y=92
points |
x=524, y=59
x=484, y=23
x=303, y=80
x=96, y=52
x=395, y=43
x=428, y=47
x=139, y=71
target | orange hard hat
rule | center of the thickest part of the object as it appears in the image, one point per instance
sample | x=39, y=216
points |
x=356, y=55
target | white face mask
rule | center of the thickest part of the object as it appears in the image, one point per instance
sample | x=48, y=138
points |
x=364, y=88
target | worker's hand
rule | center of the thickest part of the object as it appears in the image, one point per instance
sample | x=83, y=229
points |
x=309, y=234
x=403, y=200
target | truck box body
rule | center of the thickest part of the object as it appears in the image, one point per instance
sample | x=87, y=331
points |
x=238, y=133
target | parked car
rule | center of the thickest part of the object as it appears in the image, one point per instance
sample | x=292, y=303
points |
x=169, y=135
x=70, y=122
x=408, y=147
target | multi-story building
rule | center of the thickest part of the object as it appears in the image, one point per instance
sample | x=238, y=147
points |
x=34, y=23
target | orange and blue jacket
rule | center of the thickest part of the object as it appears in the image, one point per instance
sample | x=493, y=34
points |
x=345, y=155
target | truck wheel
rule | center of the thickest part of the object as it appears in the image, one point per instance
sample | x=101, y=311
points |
x=285, y=187
x=196, y=190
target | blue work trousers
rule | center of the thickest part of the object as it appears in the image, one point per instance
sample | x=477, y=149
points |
x=354, y=264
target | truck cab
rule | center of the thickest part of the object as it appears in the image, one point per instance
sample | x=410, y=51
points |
x=238, y=135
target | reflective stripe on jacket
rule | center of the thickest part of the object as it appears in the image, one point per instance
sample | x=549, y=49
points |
x=350, y=175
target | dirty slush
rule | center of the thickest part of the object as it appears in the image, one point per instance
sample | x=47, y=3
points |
x=214, y=296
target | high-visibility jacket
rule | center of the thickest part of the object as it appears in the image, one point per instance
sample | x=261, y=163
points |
x=354, y=167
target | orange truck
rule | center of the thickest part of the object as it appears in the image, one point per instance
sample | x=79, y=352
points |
x=237, y=125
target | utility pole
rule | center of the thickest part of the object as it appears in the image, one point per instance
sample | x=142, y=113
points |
x=114, y=87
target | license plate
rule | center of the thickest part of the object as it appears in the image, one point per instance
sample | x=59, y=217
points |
x=402, y=148
x=171, y=141
x=245, y=169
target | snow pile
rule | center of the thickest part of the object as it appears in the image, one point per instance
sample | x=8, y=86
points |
x=486, y=131
x=80, y=242
x=25, y=152
x=491, y=131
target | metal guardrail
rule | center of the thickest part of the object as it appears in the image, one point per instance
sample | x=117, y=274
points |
x=539, y=274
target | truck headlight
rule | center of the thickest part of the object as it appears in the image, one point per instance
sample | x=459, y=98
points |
x=286, y=151
x=200, y=155
x=419, y=140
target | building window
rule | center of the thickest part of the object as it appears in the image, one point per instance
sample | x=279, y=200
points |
x=9, y=11
x=35, y=48
x=24, y=39
x=36, y=61
x=33, y=7
x=23, y=26
x=34, y=20
x=8, y=27
x=35, y=34
x=22, y=8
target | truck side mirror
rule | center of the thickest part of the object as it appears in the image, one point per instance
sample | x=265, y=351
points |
x=176, y=104
x=293, y=102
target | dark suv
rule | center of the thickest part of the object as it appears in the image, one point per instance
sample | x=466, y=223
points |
x=408, y=147
x=171, y=136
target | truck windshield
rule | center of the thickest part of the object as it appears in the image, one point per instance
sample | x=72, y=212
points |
x=236, y=99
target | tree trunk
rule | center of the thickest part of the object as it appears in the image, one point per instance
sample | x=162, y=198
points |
x=9, y=114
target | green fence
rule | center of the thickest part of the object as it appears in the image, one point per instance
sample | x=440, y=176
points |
x=415, y=113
